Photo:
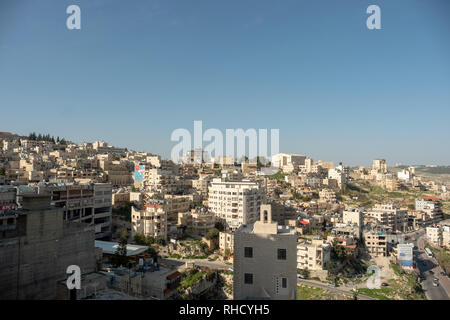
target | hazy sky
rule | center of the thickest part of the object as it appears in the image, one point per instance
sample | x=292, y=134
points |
x=137, y=70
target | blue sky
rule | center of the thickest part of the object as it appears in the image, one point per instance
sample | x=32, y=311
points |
x=137, y=70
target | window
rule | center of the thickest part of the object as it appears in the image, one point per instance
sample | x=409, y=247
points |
x=248, y=252
x=281, y=254
x=248, y=278
x=284, y=282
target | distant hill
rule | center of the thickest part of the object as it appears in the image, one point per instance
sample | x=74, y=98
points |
x=434, y=170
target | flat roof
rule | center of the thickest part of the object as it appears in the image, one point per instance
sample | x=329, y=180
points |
x=110, y=247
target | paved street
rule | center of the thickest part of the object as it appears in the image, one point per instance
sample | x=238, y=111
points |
x=429, y=269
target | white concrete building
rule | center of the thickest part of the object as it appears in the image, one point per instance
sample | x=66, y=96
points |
x=430, y=205
x=353, y=217
x=235, y=202
x=434, y=235
x=313, y=255
x=288, y=162
x=149, y=221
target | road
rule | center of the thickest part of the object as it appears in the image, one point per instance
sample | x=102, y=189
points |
x=429, y=268
x=335, y=289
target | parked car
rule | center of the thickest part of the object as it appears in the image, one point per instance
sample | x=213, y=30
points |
x=300, y=276
x=384, y=284
x=435, y=284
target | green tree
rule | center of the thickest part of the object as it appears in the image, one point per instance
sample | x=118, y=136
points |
x=120, y=256
x=153, y=253
x=227, y=253
x=139, y=239
x=2, y=171
x=212, y=234
x=219, y=226
x=161, y=241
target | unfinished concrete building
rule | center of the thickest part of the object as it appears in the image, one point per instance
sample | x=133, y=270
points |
x=38, y=246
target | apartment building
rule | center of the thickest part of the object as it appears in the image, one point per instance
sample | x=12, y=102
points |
x=327, y=196
x=120, y=197
x=118, y=173
x=7, y=197
x=103, y=147
x=235, y=202
x=265, y=260
x=198, y=222
x=388, y=214
x=196, y=156
x=434, y=235
x=226, y=242
x=345, y=230
x=37, y=247
x=103, y=210
x=173, y=204
x=313, y=255
x=432, y=206
x=339, y=174
x=157, y=180
x=288, y=162
x=149, y=220
x=202, y=184
x=376, y=243
x=87, y=203
x=353, y=216
x=446, y=236
x=225, y=161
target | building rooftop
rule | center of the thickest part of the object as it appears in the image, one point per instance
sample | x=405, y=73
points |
x=110, y=247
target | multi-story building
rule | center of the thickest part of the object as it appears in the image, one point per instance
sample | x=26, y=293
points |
x=117, y=172
x=313, y=255
x=432, y=206
x=103, y=147
x=196, y=156
x=7, y=197
x=150, y=220
x=157, y=180
x=265, y=260
x=379, y=165
x=327, y=195
x=376, y=243
x=173, y=204
x=226, y=242
x=353, y=217
x=88, y=203
x=198, y=222
x=434, y=235
x=202, y=184
x=388, y=214
x=37, y=247
x=446, y=236
x=339, y=174
x=288, y=162
x=235, y=202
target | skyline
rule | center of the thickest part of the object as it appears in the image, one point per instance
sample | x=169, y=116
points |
x=137, y=71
